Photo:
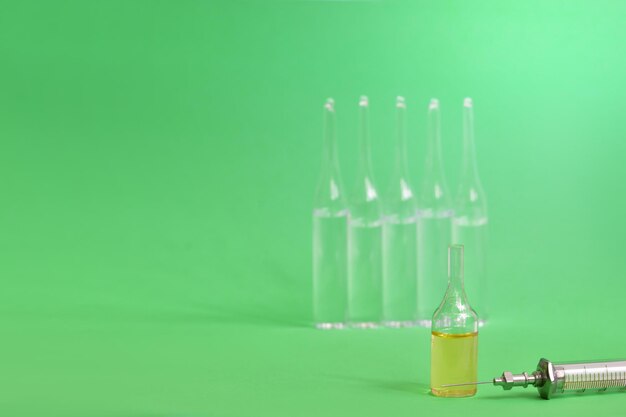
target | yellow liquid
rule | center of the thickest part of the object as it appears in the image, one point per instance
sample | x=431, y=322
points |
x=453, y=360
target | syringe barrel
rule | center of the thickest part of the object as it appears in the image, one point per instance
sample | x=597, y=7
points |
x=562, y=377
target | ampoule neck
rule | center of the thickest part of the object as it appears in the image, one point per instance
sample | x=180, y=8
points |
x=400, y=199
x=455, y=314
x=401, y=165
x=434, y=193
x=330, y=191
x=469, y=169
x=434, y=163
x=330, y=161
x=455, y=269
x=365, y=164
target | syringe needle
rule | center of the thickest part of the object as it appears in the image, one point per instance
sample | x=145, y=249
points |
x=468, y=383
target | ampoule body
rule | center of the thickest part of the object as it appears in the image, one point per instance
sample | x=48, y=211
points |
x=470, y=224
x=364, y=237
x=400, y=236
x=330, y=234
x=434, y=223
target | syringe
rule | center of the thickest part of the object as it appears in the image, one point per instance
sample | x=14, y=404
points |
x=552, y=378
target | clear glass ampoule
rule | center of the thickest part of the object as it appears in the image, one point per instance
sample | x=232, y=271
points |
x=330, y=234
x=364, y=238
x=400, y=237
x=454, y=340
x=470, y=223
x=434, y=223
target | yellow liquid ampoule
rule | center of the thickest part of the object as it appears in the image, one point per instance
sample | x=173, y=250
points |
x=453, y=360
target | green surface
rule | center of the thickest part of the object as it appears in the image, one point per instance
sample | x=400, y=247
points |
x=157, y=168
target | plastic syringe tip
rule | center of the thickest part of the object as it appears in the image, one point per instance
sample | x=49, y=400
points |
x=468, y=102
x=434, y=104
x=363, y=101
x=400, y=102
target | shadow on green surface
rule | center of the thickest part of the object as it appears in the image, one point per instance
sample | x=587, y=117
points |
x=251, y=316
x=410, y=387
x=522, y=395
x=532, y=395
x=404, y=386
x=199, y=314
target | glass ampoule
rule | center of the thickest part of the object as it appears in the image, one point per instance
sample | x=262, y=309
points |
x=400, y=237
x=330, y=234
x=454, y=339
x=470, y=223
x=364, y=237
x=434, y=223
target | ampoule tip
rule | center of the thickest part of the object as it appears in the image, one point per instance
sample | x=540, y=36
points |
x=434, y=104
x=468, y=102
x=363, y=101
x=400, y=102
x=330, y=105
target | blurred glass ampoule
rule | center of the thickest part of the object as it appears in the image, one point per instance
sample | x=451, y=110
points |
x=364, y=237
x=400, y=237
x=470, y=218
x=330, y=233
x=434, y=223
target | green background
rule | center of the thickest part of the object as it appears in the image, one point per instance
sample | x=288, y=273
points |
x=157, y=168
